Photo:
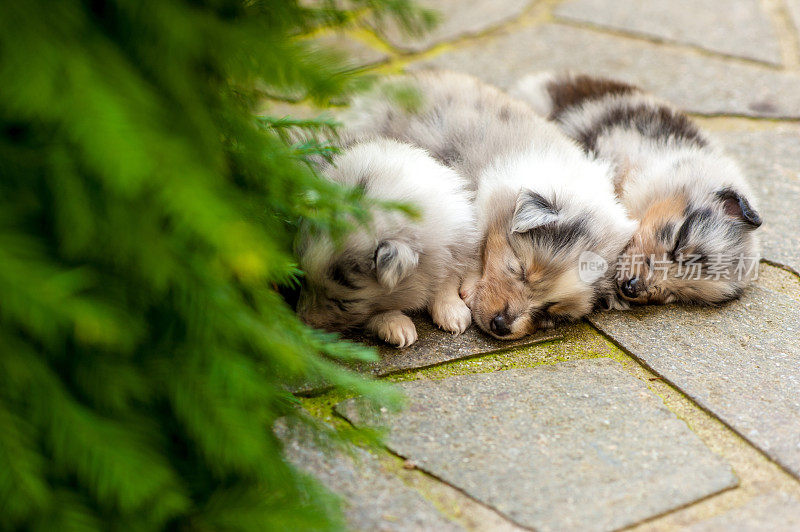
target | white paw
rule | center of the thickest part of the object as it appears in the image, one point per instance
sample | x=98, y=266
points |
x=452, y=315
x=397, y=329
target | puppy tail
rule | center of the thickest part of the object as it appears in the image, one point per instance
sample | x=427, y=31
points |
x=532, y=89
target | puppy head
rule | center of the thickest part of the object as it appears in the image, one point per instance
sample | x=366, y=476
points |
x=532, y=255
x=344, y=287
x=697, y=248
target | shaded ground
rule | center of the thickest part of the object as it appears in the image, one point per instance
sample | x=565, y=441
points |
x=660, y=418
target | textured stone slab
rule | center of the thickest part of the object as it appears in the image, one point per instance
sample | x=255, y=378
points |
x=435, y=346
x=573, y=446
x=457, y=18
x=776, y=512
x=772, y=160
x=741, y=28
x=374, y=499
x=740, y=361
x=794, y=12
x=358, y=53
x=694, y=82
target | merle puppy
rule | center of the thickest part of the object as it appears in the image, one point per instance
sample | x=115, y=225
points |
x=697, y=215
x=395, y=264
x=544, y=208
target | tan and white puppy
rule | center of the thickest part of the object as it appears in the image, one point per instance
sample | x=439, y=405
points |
x=395, y=264
x=545, y=210
x=696, y=211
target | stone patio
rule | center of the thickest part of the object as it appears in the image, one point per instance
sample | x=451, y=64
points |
x=660, y=418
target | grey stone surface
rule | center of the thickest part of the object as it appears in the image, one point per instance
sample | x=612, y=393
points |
x=436, y=346
x=457, y=18
x=358, y=53
x=739, y=28
x=776, y=512
x=573, y=446
x=433, y=347
x=772, y=160
x=794, y=13
x=741, y=362
x=374, y=499
x=694, y=82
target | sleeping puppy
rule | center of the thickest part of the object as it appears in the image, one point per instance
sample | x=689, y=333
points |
x=396, y=264
x=544, y=209
x=696, y=240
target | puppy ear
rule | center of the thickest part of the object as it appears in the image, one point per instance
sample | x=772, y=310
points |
x=737, y=206
x=533, y=210
x=394, y=261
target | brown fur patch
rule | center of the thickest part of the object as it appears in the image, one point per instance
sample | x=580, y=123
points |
x=661, y=211
x=621, y=176
x=497, y=291
x=646, y=242
x=575, y=90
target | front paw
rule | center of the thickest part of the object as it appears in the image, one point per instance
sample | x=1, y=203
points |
x=394, y=328
x=452, y=315
x=614, y=302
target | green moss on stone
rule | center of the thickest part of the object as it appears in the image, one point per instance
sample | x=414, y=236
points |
x=579, y=341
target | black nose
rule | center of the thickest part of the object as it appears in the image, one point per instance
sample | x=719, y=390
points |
x=630, y=288
x=499, y=326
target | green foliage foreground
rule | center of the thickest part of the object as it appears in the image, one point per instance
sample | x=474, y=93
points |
x=145, y=221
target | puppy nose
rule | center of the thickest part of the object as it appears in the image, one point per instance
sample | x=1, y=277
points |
x=499, y=326
x=630, y=288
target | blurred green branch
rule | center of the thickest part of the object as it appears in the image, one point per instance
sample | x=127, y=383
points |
x=146, y=216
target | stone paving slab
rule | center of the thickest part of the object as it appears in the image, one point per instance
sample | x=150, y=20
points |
x=776, y=512
x=741, y=362
x=572, y=446
x=695, y=82
x=794, y=13
x=457, y=18
x=433, y=347
x=741, y=28
x=772, y=161
x=436, y=346
x=374, y=499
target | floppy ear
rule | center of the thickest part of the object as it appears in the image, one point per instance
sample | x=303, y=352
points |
x=533, y=210
x=737, y=206
x=394, y=261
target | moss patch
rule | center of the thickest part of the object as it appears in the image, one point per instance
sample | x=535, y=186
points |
x=321, y=406
x=579, y=341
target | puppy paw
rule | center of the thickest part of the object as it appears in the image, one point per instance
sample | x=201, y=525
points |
x=394, y=328
x=452, y=315
x=614, y=302
x=620, y=304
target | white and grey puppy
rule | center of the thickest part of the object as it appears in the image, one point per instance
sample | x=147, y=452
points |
x=543, y=206
x=395, y=264
x=696, y=212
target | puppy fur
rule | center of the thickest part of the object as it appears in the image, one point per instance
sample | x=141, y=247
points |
x=540, y=201
x=696, y=212
x=395, y=264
